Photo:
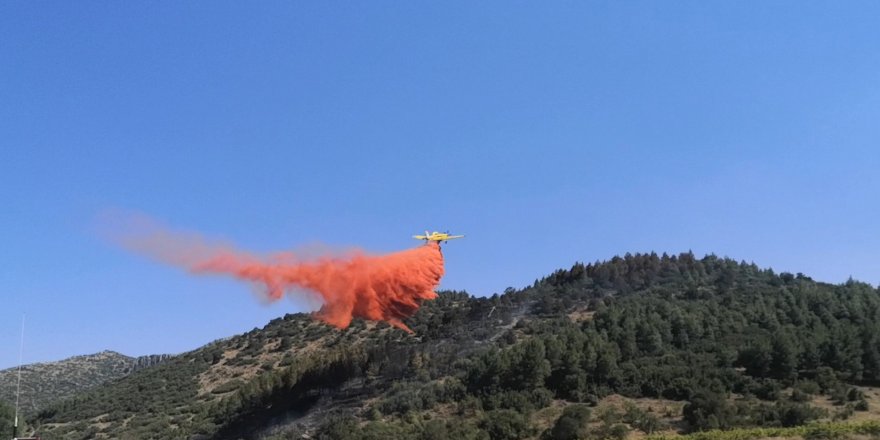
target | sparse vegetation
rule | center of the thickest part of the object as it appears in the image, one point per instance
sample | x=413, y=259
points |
x=44, y=383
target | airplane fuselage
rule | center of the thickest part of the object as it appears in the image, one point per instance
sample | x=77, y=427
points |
x=437, y=236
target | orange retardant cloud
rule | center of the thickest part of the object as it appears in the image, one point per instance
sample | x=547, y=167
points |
x=386, y=287
x=375, y=287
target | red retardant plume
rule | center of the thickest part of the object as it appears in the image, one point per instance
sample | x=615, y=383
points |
x=379, y=288
x=386, y=288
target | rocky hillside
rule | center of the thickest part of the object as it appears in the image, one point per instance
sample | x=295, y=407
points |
x=636, y=344
x=43, y=383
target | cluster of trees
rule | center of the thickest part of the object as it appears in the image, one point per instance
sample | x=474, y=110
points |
x=168, y=389
x=676, y=327
x=163, y=400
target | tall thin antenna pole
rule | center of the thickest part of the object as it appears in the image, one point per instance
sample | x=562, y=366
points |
x=18, y=385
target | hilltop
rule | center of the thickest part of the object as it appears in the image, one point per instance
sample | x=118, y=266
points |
x=43, y=383
x=638, y=344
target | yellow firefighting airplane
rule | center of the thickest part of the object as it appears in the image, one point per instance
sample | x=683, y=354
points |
x=437, y=236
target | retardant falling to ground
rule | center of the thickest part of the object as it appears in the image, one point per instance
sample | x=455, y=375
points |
x=386, y=287
x=379, y=288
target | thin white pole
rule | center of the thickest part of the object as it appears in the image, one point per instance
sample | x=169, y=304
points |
x=18, y=385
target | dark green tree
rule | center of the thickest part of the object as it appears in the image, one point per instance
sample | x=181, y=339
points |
x=709, y=411
x=505, y=424
x=571, y=425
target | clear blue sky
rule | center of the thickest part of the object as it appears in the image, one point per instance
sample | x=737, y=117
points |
x=549, y=132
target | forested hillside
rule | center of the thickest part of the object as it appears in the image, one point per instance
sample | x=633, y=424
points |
x=641, y=343
x=47, y=382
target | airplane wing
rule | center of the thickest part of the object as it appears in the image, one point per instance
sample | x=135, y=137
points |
x=454, y=236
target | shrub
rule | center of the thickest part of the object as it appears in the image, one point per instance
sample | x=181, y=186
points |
x=505, y=424
x=854, y=394
x=571, y=425
x=809, y=387
x=608, y=431
x=709, y=411
x=796, y=414
x=799, y=396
